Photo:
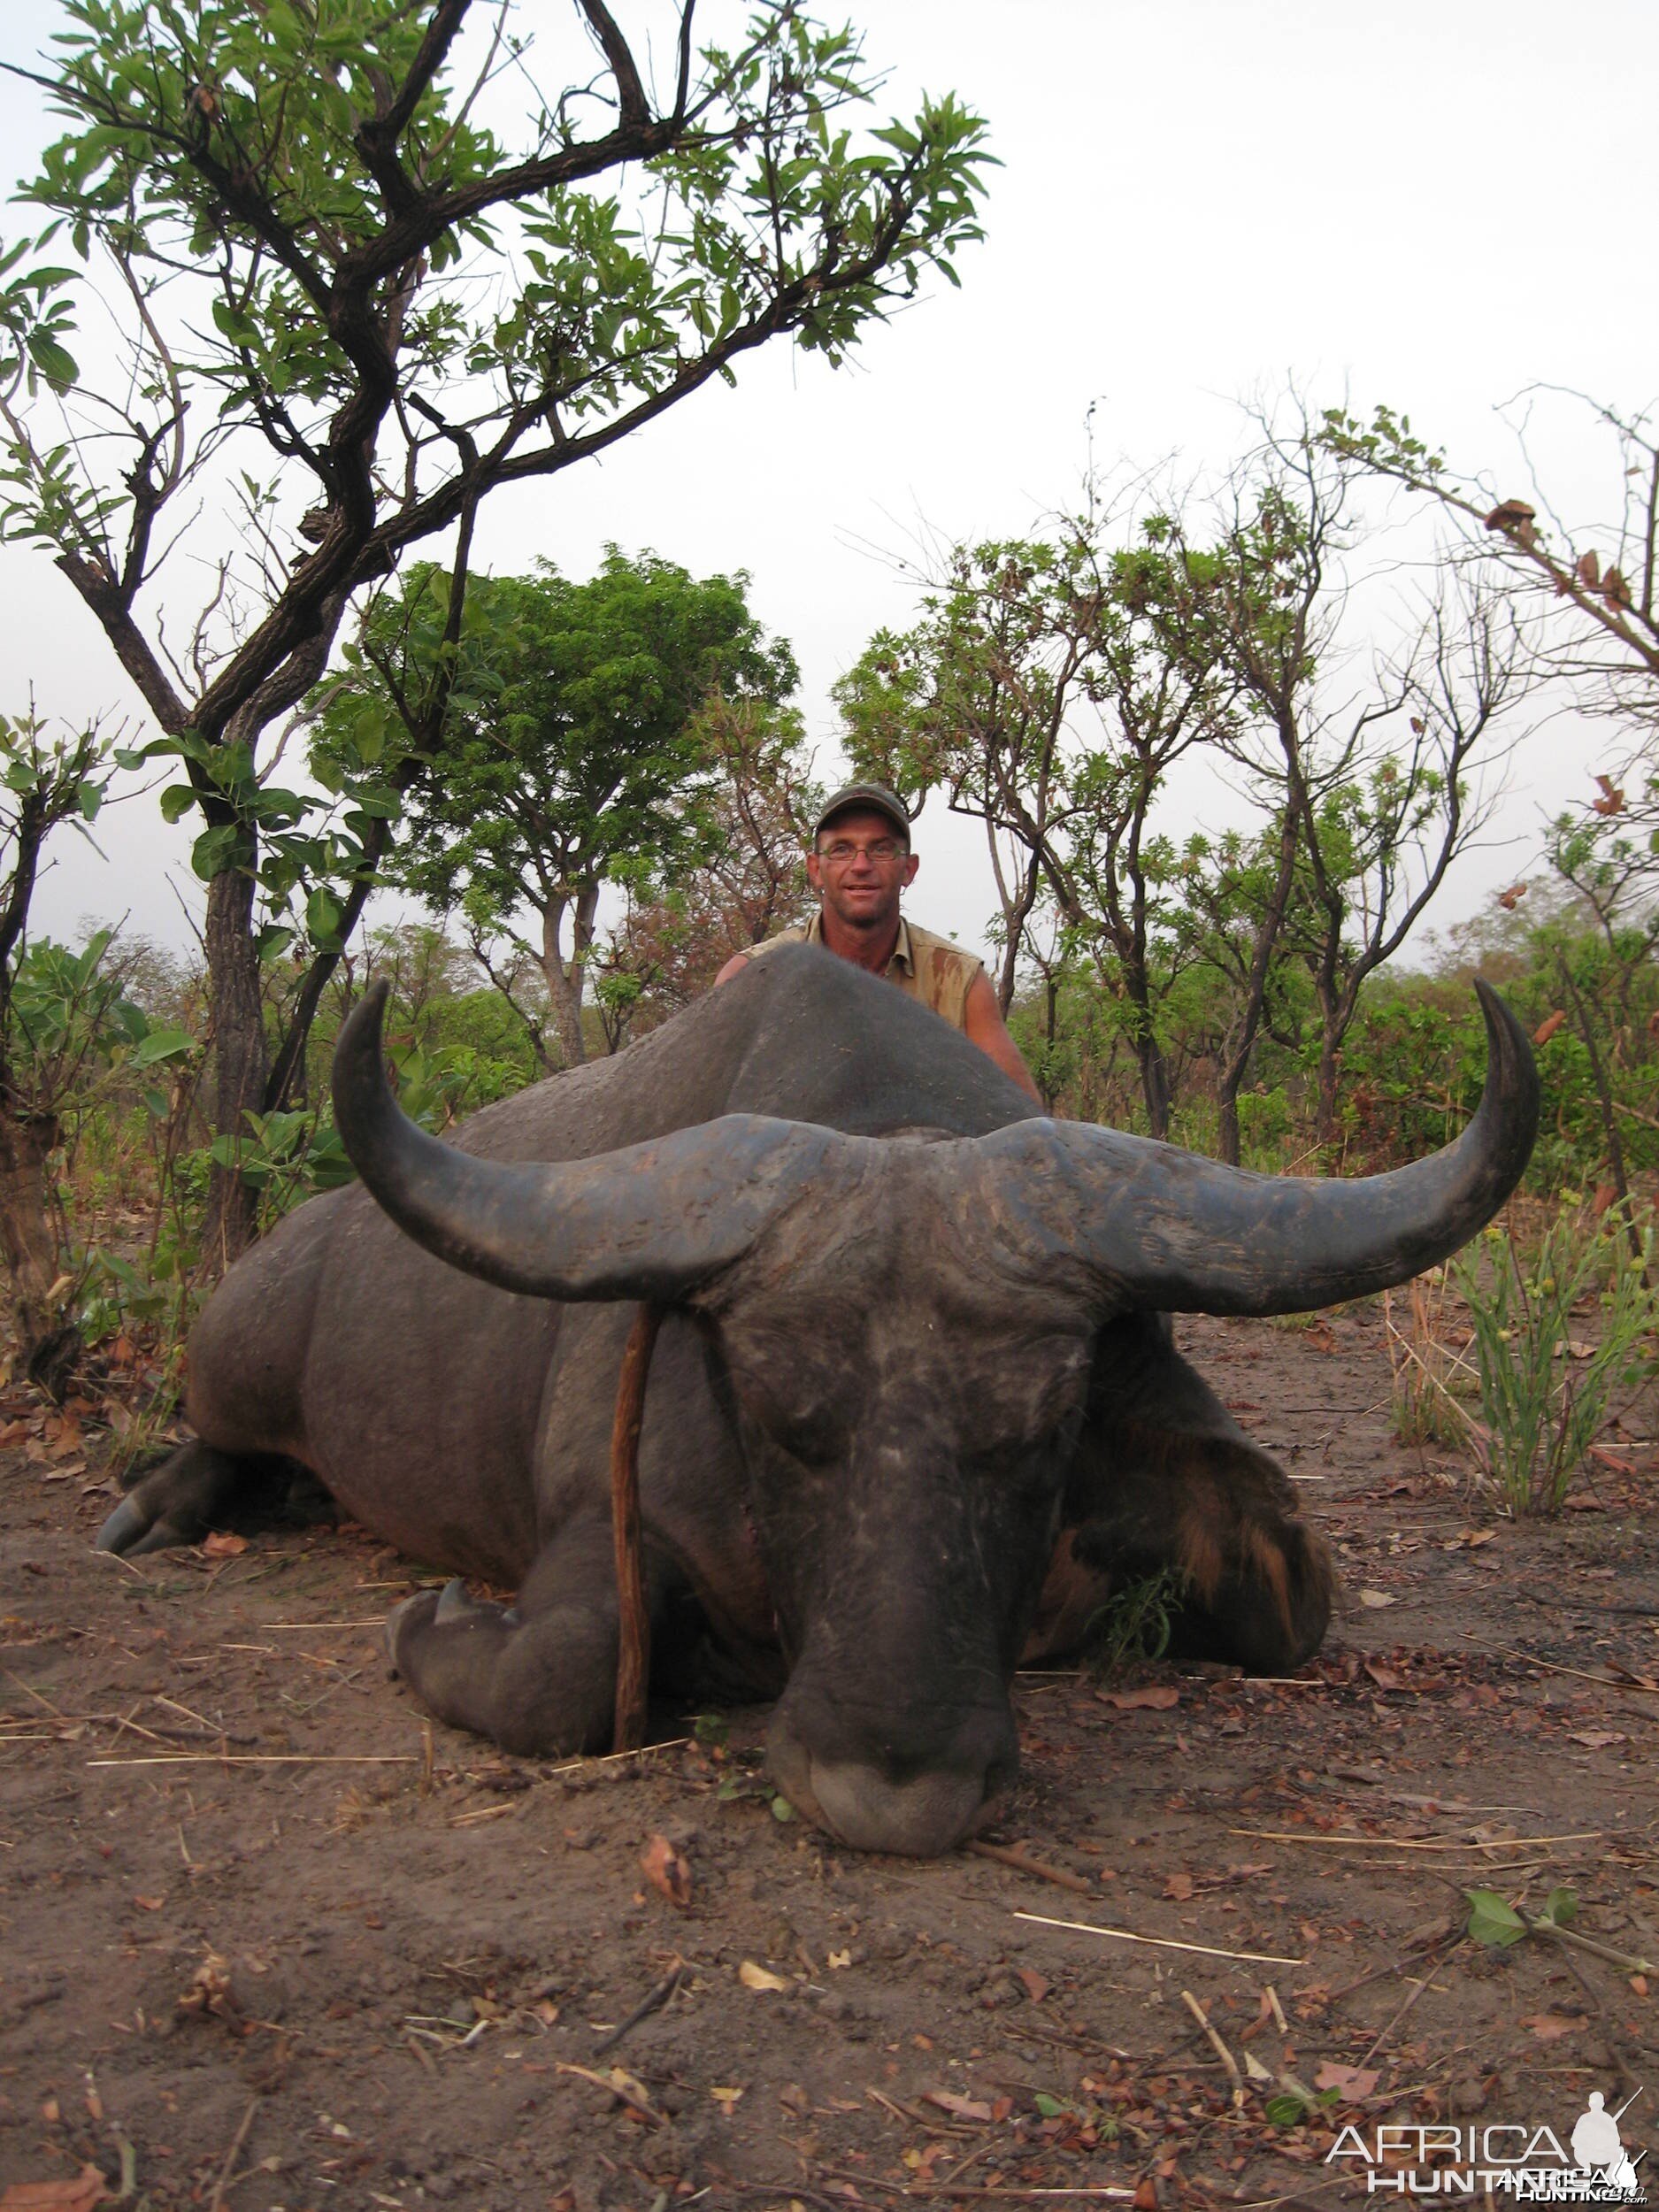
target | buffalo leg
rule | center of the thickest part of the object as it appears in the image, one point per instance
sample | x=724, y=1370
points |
x=1164, y=1478
x=538, y=1677
x=1253, y=1581
x=191, y=1490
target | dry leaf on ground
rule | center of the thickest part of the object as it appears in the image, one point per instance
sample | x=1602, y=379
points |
x=1156, y=1697
x=667, y=1871
x=958, y=2108
x=753, y=1977
x=222, y=1545
x=1350, y=2082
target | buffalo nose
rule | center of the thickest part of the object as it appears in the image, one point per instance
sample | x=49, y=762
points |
x=919, y=1819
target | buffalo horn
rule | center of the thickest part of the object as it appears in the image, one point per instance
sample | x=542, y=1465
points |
x=649, y=1221
x=1165, y=1229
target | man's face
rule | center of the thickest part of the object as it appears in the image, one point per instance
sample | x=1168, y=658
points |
x=860, y=866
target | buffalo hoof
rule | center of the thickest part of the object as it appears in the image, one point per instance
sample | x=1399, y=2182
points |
x=451, y=1608
x=130, y=1531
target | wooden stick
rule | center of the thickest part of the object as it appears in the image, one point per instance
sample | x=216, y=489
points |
x=1407, y=1843
x=264, y=1759
x=1006, y=1855
x=1615, y=2049
x=1431, y=1968
x=634, y=1620
x=658, y=1995
x=1161, y=1943
x=1218, y=2046
x=217, y=2198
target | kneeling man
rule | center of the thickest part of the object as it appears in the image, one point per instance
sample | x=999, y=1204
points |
x=860, y=864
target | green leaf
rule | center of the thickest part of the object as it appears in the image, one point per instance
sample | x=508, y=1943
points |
x=54, y=362
x=1284, y=2111
x=1492, y=1921
x=1561, y=1909
x=215, y=850
x=161, y=1044
x=782, y=1808
x=176, y=802
x=322, y=918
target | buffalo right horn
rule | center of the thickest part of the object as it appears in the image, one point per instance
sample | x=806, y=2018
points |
x=1163, y=1229
x=649, y=1221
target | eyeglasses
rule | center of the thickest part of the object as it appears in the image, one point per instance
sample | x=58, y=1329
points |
x=883, y=853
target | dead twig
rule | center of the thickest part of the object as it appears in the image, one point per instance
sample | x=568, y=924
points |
x=654, y=1999
x=216, y=2201
x=1219, y=2047
x=1615, y=2049
x=1011, y=1855
x=1431, y=1968
x=1161, y=1943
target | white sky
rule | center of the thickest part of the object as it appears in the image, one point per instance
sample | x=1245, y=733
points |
x=1435, y=204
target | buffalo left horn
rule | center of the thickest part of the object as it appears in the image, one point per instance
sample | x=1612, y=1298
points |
x=649, y=1221
x=1164, y=1229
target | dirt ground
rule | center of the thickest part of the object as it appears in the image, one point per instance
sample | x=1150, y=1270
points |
x=269, y=1940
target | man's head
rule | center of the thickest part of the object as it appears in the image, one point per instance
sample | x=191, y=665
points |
x=861, y=859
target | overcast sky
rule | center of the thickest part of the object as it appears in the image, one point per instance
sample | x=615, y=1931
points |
x=1436, y=204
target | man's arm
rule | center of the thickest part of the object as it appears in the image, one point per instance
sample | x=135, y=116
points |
x=735, y=965
x=982, y=1024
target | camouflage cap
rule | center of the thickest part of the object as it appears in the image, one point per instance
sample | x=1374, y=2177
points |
x=873, y=796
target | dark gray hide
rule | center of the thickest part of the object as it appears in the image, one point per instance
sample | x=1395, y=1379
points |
x=914, y=1409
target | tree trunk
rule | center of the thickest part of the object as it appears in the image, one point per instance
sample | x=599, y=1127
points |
x=241, y=1060
x=1227, y=1116
x=1154, y=1083
x=47, y=1345
x=566, y=978
x=1330, y=1069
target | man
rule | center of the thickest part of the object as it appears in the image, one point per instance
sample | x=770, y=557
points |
x=860, y=864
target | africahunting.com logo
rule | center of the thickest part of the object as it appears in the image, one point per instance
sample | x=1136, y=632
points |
x=1528, y=2161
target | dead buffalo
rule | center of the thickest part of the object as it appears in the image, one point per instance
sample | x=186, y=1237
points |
x=913, y=1409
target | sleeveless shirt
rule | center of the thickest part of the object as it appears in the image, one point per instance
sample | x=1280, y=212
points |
x=924, y=966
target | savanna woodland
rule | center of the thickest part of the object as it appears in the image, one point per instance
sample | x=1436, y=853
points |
x=298, y=289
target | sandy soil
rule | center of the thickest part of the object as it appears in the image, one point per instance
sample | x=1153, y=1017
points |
x=268, y=1939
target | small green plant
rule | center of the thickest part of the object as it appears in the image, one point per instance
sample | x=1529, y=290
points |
x=1543, y=1392
x=1134, y=1624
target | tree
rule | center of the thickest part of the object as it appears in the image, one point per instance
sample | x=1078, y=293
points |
x=572, y=752
x=53, y=1016
x=1594, y=588
x=975, y=700
x=346, y=312
x=1364, y=785
x=754, y=818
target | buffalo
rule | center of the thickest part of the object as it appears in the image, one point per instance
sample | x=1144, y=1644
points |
x=915, y=1408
